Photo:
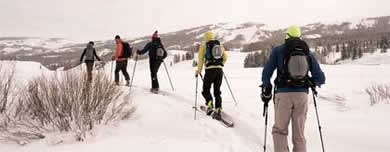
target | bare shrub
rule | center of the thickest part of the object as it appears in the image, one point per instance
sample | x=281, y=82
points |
x=63, y=102
x=7, y=74
x=379, y=93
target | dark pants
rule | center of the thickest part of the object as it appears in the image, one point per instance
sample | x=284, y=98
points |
x=213, y=76
x=121, y=66
x=89, y=65
x=154, y=67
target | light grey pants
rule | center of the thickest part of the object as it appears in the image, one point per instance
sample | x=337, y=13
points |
x=290, y=106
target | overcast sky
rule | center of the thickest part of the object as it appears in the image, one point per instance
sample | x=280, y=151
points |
x=85, y=20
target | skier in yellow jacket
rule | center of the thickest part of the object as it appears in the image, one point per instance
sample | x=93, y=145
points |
x=212, y=54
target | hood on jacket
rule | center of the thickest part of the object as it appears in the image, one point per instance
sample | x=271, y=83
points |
x=90, y=44
x=208, y=36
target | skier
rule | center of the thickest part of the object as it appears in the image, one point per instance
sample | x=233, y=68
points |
x=90, y=54
x=157, y=54
x=293, y=61
x=212, y=54
x=123, y=52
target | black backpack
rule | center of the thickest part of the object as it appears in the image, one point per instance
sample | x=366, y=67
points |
x=127, y=50
x=296, y=64
x=214, y=53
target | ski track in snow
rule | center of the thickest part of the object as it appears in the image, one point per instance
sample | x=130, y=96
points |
x=165, y=122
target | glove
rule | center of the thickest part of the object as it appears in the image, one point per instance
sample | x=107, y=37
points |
x=197, y=72
x=266, y=94
x=113, y=58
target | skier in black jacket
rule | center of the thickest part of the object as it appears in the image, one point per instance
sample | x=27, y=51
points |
x=157, y=54
x=90, y=54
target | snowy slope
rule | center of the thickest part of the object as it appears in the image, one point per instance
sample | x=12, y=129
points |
x=166, y=122
x=12, y=45
x=24, y=70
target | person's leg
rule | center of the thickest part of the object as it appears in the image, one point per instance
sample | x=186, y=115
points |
x=217, y=88
x=89, y=70
x=207, y=81
x=153, y=74
x=117, y=69
x=299, y=115
x=156, y=68
x=283, y=110
x=124, y=70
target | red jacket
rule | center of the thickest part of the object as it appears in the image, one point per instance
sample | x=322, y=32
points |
x=119, y=51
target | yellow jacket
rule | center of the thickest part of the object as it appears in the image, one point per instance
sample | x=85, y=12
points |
x=208, y=36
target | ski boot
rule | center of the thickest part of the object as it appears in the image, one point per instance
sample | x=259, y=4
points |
x=117, y=83
x=154, y=90
x=210, y=108
x=217, y=114
x=128, y=83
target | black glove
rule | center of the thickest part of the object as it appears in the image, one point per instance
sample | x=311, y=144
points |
x=266, y=94
x=313, y=86
x=311, y=82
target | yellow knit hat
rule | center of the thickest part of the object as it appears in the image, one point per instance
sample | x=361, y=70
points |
x=293, y=31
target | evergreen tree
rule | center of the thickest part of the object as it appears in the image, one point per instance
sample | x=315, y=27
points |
x=337, y=48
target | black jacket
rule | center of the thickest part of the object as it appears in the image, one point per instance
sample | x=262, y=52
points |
x=152, y=47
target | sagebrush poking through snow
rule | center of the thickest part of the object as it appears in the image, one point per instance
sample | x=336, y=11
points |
x=6, y=85
x=63, y=103
x=379, y=93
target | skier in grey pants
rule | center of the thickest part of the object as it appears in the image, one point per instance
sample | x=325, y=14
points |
x=90, y=54
x=291, y=99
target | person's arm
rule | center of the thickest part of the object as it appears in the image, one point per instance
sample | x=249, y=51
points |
x=82, y=56
x=317, y=75
x=201, y=55
x=269, y=69
x=146, y=48
x=94, y=53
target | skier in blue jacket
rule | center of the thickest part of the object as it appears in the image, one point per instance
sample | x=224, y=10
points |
x=291, y=101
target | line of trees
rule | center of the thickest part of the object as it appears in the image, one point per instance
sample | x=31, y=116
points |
x=257, y=59
x=349, y=47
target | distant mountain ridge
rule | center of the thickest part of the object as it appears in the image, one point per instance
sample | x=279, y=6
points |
x=55, y=53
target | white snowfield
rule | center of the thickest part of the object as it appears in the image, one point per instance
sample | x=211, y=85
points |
x=166, y=122
x=27, y=44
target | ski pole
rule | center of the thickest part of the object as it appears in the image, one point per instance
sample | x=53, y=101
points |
x=132, y=77
x=112, y=66
x=196, y=97
x=231, y=92
x=201, y=76
x=314, y=92
x=265, y=114
x=166, y=69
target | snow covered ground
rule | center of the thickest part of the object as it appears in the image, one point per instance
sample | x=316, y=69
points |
x=166, y=122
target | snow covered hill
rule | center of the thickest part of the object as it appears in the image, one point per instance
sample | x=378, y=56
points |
x=57, y=53
x=166, y=122
x=32, y=45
